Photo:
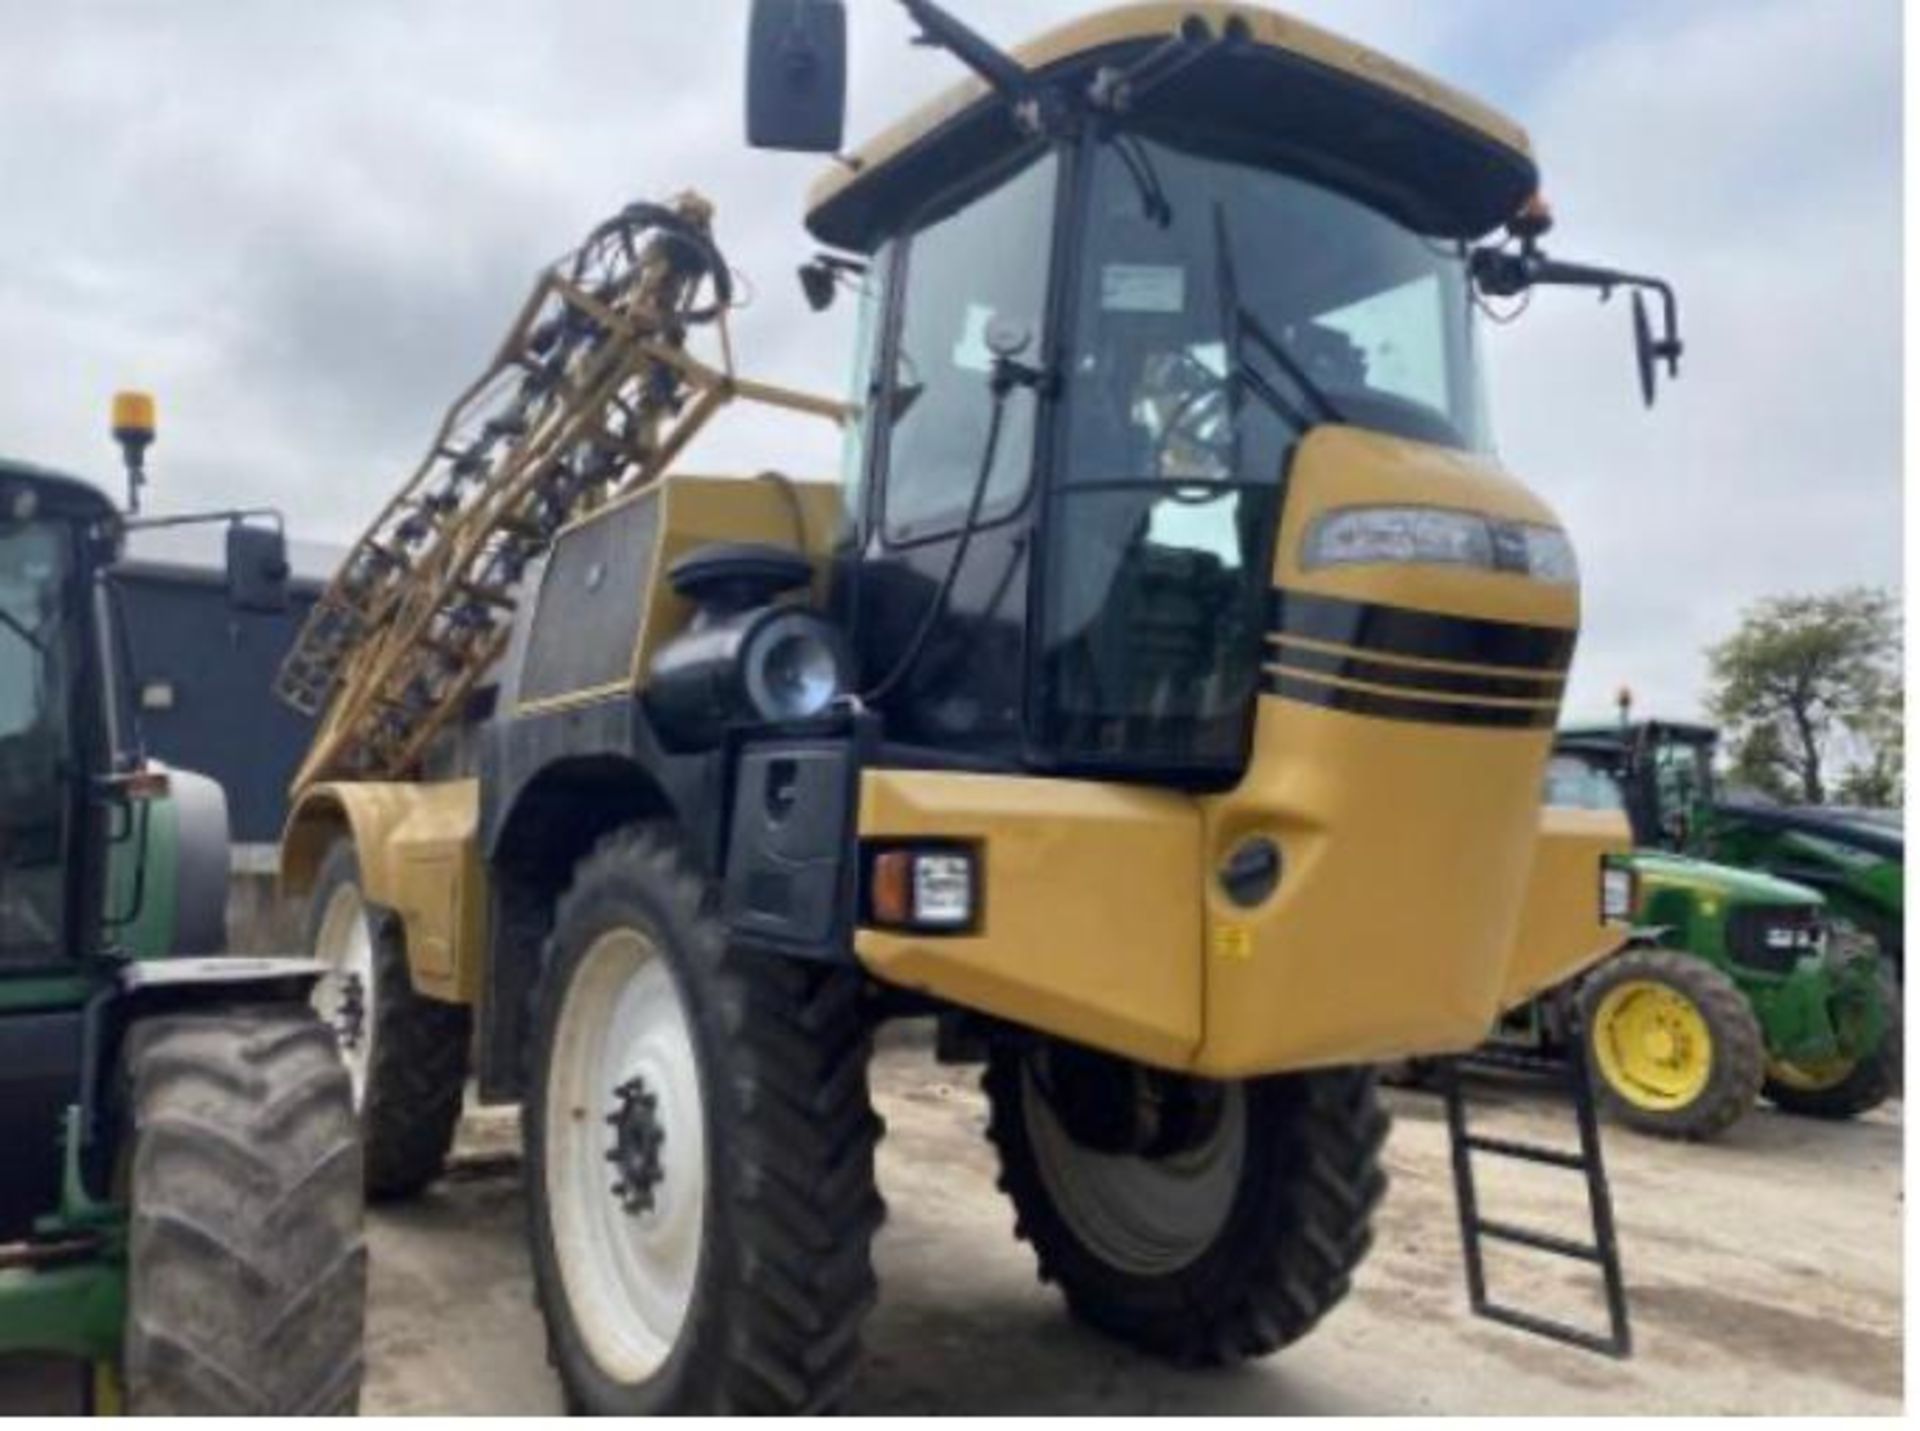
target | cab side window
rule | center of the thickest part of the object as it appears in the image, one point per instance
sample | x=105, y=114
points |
x=984, y=265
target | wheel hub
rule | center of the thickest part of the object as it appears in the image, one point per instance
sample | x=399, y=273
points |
x=637, y=1140
x=1661, y=1046
x=350, y=1014
x=1112, y=1106
x=1653, y=1045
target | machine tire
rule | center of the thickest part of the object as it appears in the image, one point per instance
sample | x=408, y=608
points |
x=1719, y=1090
x=1864, y=1085
x=415, y=1066
x=1299, y=1222
x=247, y=1261
x=764, y=1062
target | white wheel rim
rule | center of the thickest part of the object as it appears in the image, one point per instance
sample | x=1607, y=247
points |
x=344, y=995
x=1147, y=1216
x=628, y=1275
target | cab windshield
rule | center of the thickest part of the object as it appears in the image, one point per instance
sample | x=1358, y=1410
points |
x=1221, y=312
x=34, y=741
x=1576, y=782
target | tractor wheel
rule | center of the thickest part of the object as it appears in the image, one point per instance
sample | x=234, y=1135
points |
x=1674, y=1045
x=700, y=1152
x=1843, y=1087
x=407, y=1053
x=247, y=1263
x=1226, y=1232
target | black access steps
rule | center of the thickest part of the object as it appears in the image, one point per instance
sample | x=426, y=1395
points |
x=1571, y=1074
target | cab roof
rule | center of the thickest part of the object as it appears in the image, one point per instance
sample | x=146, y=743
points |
x=58, y=493
x=1293, y=95
x=1611, y=733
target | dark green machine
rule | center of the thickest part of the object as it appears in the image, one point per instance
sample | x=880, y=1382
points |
x=1855, y=858
x=1738, y=988
x=180, y=1193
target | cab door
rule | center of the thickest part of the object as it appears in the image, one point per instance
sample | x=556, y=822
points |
x=948, y=652
x=44, y=824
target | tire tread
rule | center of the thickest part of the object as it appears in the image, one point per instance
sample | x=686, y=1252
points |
x=223, y=1317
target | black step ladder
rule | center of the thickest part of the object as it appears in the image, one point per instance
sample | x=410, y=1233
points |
x=1571, y=1074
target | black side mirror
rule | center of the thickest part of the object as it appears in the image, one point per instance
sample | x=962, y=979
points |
x=257, y=569
x=797, y=75
x=1651, y=351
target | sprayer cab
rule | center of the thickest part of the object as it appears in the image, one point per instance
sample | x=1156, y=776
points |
x=1173, y=474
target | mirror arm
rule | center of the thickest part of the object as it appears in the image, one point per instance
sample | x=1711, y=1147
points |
x=1117, y=91
x=975, y=51
x=1499, y=273
x=195, y=519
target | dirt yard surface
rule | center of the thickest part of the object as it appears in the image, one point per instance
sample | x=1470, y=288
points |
x=1764, y=1274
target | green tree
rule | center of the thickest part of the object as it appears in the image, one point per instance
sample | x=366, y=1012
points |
x=1808, y=694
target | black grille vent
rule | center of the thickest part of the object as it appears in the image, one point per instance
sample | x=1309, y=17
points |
x=1773, y=939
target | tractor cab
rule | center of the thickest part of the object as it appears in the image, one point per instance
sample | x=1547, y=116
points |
x=1665, y=774
x=105, y=857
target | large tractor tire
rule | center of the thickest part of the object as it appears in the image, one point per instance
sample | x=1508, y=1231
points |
x=407, y=1053
x=1842, y=1088
x=1674, y=1046
x=700, y=1152
x=247, y=1263
x=1226, y=1232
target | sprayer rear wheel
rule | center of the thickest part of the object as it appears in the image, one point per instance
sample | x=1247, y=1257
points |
x=407, y=1053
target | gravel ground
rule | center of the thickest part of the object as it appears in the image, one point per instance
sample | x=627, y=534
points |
x=1764, y=1275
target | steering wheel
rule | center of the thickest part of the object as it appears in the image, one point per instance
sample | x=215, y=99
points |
x=1199, y=432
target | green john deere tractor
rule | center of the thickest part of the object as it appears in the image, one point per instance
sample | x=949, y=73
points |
x=1735, y=988
x=180, y=1204
x=1855, y=858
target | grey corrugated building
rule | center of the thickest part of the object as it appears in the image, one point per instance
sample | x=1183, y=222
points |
x=203, y=672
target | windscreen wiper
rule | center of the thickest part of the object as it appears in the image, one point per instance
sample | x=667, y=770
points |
x=25, y=633
x=1238, y=324
x=1146, y=178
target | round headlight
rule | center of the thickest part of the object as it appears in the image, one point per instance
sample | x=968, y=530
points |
x=793, y=667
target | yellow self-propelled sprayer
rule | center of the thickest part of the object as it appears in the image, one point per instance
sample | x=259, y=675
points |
x=1160, y=700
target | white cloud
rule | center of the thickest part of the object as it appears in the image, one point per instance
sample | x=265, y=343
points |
x=1751, y=155
x=304, y=226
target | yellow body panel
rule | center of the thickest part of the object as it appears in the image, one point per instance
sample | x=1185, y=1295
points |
x=798, y=514
x=1090, y=893
x=1561, y=931
x=1407, y=840
x=1156, y=21
x=418, y=850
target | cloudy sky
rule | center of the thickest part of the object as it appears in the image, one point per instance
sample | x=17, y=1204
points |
x=303, y=226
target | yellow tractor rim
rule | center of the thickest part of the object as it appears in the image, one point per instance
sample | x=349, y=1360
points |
x=1652, y=1045
x=1814, y=1075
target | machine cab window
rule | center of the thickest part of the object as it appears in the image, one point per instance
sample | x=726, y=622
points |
x=1223, y=310
x=36, y=654
x=1682, y=784
x=985, y=263
x=1574, y=782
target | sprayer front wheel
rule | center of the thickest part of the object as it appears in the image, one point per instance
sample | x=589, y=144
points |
x=700, y=1152
x=1229, y=1240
